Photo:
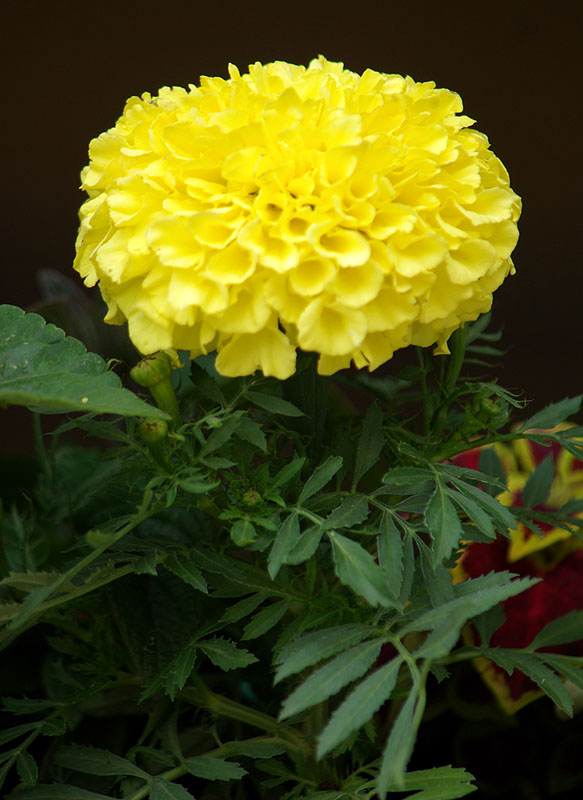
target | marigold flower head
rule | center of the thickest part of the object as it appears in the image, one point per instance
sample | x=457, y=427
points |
x=345, y=214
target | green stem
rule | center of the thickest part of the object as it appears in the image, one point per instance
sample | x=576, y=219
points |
x=448, y=452
x=424, y=392
x=202, y=697
x=39, y=444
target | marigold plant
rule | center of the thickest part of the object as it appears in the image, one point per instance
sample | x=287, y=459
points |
x=349, y=215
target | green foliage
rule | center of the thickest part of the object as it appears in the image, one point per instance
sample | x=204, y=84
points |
x=258, y=603
x=42, y=367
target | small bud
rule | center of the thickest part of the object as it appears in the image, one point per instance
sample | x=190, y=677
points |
x=152, y=430
x=152, y=369
x=251, y=498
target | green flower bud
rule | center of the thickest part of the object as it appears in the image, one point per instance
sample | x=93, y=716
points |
x=151, y=431
x=152, y=369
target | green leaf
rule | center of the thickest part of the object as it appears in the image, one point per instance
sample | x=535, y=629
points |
x=440, y=783
x=7, y=734
x=404, y=477
x=443, y=523
x=491, y=464
x=333, y=676
x=26, y=705
x=568, y=628
x=183, y=567
x=504, y=517
x=351, y=511
x=565, y=666
x=533, y=667
x=59, y=791
x=27, y=768
x=538, y=485
x=265, y=620
x=179, y=671
x=243, y=532
x=399, y=747
x=243, y=608
x=286, y=473
x=475, y=512
x=306, y=547
x=316, y=646
x=225, y=654
x=390, y=551
x=446, y=621
x=274, y=404
x=43, y=368
x=287, y=537
x=258, y=748
x=356, y=568
x=320, y=477
x=164, y=790
x=364, y=701
x=94, y=761
x=251, y=432
x=370, y=443
x=553, y=414
x=214, y=769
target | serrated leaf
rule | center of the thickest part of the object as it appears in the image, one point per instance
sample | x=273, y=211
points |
x=398, y=748
x=553, y=414
x=535, y=669
x=94, y=761
x=27, y=768
x=390, y=552
x=58, y=791
x=165, y=790
x=440, y=783
x=183, y=567
x=43, y=368
x=306, y=547
x=356, y=568
x=370, y=443
x=351, y=511
x=364, y=701
x=490, y=504
x=320, y=477
x=565, y=666
x=333, y=676
x=274, y=404
x=446, y=621
x=214, y=769
x=311, y=648
x=8, y=734
x=26, y=705
x=243, y=608
x=475, y=512
x=490, y=463
x=249, y=430
x=286, y=539
x=265, y=620
x=225, y=654
x=538, y=485
x=443, y=523
x=179, y=671
x=568, y=628
x=400, y=477
x=258, y=748
x=286, y=473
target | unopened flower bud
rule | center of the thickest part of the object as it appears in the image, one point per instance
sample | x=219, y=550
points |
x=152, y=369
x=151, y=431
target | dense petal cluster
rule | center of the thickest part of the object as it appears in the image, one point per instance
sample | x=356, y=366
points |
x=345, y=214
x=555, y=557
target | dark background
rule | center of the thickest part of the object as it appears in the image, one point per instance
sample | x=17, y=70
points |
x=71, y=65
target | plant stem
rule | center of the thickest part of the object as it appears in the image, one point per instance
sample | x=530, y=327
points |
x=199, y=695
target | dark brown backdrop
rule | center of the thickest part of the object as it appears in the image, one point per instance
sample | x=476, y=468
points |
x=517, y=66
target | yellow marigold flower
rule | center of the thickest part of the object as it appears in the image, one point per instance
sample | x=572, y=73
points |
x=345, y=214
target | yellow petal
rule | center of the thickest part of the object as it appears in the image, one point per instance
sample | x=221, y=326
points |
x=269, y=350
x=348, y=248
x=330, y=330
